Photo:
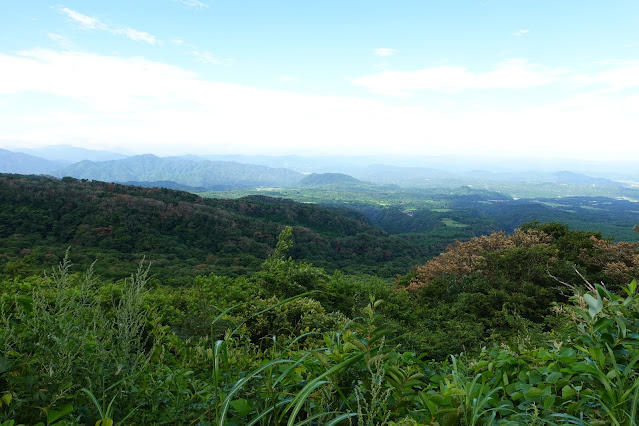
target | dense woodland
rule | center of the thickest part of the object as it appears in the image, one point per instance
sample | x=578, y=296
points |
x=183, y=234
x=160, y=307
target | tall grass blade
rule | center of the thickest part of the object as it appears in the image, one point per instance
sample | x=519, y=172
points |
x=340, y=418
x=267, y=411
x=320, y=415
x=301, y=397
x=238, y=385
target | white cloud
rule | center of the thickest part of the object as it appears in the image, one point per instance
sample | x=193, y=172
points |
x=85, y=21
x=61, y=40
x=520, y=33
x=92, y=23
x=203, y=56
x=207, y=58
x=510, y=74
x=384, y=51
x=135, y=35
x=624, y=75
x=193, y=3
x=154, y=107
x=166, y=108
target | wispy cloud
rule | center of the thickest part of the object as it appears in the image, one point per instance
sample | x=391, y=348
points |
x=61, y=40
x=520, y=33
x=622, y=75
x=87, y=22
x=192, y=3
x=207, y=57
x=136, y=35
x=200, y=55
x=384, y=51
x=510, y=74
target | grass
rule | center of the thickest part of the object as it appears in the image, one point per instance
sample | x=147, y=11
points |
x=453, y=223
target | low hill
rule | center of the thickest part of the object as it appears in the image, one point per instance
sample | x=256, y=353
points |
x=168, y=184
x=408, y=176
x=183, y=234
x=578, y=178
x=218, y=175
x=324, y=179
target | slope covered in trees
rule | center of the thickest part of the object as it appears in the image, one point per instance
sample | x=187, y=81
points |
x=330, y=179
x=495, y=286
x=181, y=233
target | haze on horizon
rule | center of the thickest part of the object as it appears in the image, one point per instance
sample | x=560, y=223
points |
x=170, y=77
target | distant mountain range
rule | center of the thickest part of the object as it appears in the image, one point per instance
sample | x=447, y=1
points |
x=68, y=154
x=226, y=172
x=217, y=175
x=17, y=162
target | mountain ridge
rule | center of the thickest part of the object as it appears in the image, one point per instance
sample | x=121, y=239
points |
x=18, y=162
x=204, y=174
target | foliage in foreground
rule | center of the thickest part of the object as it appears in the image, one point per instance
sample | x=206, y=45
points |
x=74, y=350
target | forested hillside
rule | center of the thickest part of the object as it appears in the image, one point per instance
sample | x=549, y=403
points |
x=182, y=234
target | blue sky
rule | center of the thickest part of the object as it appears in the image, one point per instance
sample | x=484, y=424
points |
x=488, y=78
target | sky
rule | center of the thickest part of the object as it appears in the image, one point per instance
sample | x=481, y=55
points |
x=490, y=78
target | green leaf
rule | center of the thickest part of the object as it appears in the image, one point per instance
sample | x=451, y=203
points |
x=621, y=323
x=568, y=392
x=553, y=377
x=534, y=393
x=242, y=407
x=534, y=377
x=594, y=305
x=451, y=418
x=4, y=364
x=54, y=415
x=6, y=398
x=603, y=323
x=598, y=355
